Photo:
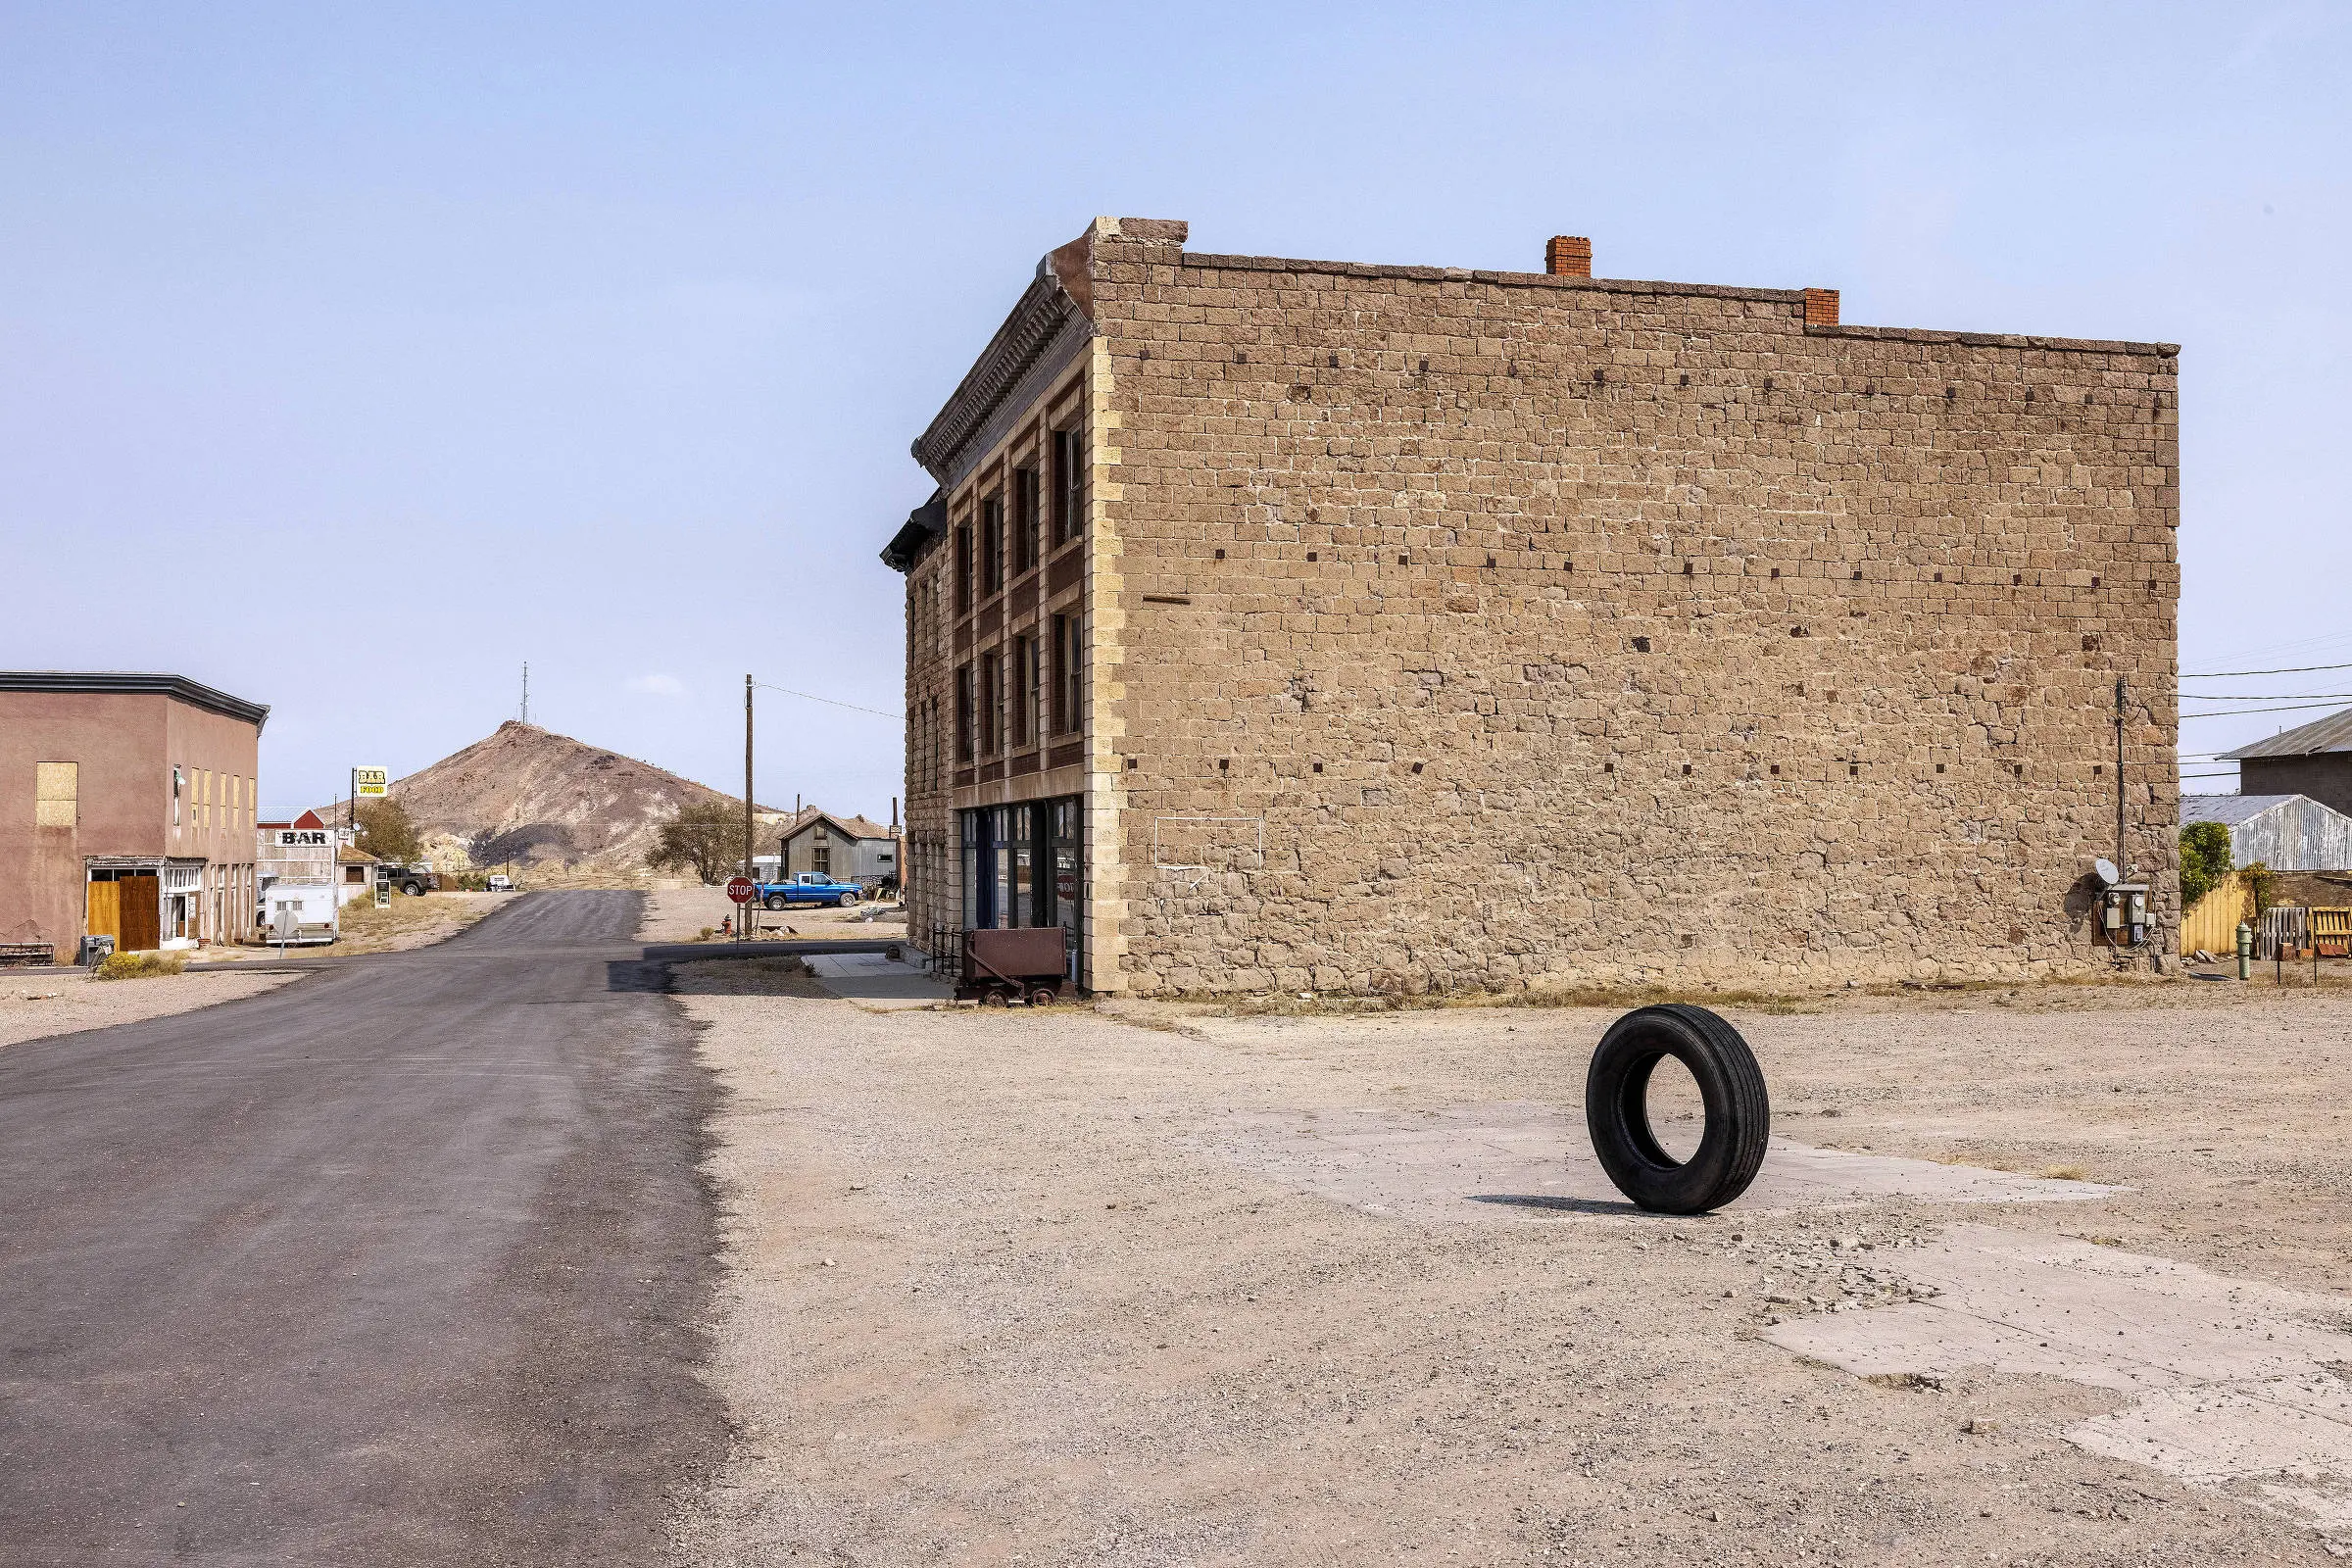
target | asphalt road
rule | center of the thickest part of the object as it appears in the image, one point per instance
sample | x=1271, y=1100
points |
x=405, y=1262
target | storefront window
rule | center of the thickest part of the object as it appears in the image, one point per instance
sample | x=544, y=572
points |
x=1020, y=866
x=979, y=869
x=1024, y=866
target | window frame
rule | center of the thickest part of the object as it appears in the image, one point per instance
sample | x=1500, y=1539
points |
x=1025, y=516
x=966, y=709
x=1069, y=486
x=992, y=545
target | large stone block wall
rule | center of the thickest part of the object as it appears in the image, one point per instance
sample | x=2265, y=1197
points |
x=1559, y=630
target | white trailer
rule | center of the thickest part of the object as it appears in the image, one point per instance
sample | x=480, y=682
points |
x=299, y=914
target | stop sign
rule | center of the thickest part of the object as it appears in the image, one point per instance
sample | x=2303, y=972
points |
x=740, y=889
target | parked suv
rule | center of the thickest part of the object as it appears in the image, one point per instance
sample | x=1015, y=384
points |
x=500, y=882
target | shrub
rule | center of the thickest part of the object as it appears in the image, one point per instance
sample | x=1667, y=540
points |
x=2204, y=860
x=137, y=965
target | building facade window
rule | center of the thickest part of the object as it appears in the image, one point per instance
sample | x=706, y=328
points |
x=992, y=546
x=1068, y=676
x=992, y=703
x=1023, y=695
x=963, y=567
x=1069, y=487
x=963, y=713
x=56, y=794
x=1025, y=540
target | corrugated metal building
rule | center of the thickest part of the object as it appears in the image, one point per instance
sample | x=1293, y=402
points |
x=2285, y=832
x=2314, y=759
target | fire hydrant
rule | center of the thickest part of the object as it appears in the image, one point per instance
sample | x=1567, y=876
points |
x=2245, y=951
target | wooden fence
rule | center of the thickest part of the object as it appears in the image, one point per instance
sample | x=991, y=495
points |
x=2210, y=923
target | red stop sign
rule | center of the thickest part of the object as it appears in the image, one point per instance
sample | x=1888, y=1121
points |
x=740, y=889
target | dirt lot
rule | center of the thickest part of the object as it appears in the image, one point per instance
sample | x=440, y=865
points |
x=682, y=914
x=33, y=1007
x=1186, y=1287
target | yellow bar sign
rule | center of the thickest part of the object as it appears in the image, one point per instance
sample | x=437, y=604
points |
x=368, y=782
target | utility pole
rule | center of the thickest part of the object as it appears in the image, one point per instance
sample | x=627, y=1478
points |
x=747, y=775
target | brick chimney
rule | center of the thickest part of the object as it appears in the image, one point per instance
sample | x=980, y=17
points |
x=1568, y=256
x=1821, y=307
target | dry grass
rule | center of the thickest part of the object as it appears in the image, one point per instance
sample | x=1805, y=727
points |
x=138, y=966
x=410, y=922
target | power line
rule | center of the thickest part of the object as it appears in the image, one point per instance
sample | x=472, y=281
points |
x=2264, y=696
x=2296, y=670
x=833, y=700
x=2241, y=712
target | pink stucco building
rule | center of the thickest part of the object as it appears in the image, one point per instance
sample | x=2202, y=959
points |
x=127, y=809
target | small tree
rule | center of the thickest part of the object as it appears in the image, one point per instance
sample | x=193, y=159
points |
x=2265, y=883
x=704, y=837
x=2204, y=860
x=386, y=830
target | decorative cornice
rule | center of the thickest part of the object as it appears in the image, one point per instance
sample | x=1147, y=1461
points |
x=1048, y=317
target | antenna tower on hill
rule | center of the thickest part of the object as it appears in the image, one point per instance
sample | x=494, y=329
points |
x=527, y=690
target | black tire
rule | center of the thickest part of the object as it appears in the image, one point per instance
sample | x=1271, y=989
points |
x=1617, y=1111
x=774, y=901
x=849, y=900
x=414, y=890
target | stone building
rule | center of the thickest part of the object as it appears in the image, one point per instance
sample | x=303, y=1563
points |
x=1319, y=626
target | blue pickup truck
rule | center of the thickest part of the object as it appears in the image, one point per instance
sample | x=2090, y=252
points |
x=810, y=887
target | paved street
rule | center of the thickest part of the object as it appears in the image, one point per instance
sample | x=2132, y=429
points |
x=400, y=1263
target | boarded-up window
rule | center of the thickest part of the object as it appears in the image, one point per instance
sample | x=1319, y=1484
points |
x=56, y=794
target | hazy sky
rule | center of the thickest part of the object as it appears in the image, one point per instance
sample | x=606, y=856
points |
x=350, y=357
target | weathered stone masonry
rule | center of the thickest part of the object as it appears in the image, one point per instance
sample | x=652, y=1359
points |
x=1551, y=629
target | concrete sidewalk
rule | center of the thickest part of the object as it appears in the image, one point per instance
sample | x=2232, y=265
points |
x=877, y=980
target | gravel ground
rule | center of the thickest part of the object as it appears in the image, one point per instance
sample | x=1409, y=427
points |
x=679, y=915
x=997, y=1295
x=35, y=1007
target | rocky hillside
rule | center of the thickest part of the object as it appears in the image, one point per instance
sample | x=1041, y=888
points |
x=532, y=797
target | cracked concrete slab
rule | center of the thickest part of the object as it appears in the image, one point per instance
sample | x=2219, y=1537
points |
x=2231, y=1384
x=1521, y=1160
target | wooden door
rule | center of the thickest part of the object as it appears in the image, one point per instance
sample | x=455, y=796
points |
x=105, y=910
x=142, y=914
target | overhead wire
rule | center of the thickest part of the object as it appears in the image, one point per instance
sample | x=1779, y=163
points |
x=2241, y=712
x=2233, y=674
x=832, y=701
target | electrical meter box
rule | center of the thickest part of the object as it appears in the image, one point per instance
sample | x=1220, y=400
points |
x=2123, y=914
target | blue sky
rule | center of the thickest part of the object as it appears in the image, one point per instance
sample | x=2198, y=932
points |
x=347, y=359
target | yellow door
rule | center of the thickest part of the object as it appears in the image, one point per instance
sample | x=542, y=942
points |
x=105, y=910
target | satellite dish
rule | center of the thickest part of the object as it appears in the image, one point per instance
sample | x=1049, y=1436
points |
x=2107, y=872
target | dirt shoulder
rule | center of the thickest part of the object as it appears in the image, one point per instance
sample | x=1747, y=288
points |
x=36, y=1007
x=1009, y=1286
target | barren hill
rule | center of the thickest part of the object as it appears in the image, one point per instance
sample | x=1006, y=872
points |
x=530, y=796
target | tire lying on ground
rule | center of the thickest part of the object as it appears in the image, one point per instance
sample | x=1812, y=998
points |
x=1617, y=1110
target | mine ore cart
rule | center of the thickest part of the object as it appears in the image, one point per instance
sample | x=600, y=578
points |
x=1022, y=964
